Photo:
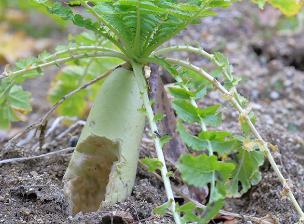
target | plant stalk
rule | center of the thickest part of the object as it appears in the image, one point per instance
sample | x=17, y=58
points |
x=137, y=68
x=71, y=58
x=192, y=101
x=199, y=51
x=150, y=49
x=126, y=45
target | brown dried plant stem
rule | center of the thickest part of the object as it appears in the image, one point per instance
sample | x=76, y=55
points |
x=42, y=121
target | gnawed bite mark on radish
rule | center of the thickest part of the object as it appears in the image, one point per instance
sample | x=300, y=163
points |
x=88, y=173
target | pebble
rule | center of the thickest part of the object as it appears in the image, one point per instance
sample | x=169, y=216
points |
x=256, y=106
x=25, y=211
x=34, y=173
x=290, y=140
x=268, y=119
x=274, y=95
x=287, y=82
x=254, y=94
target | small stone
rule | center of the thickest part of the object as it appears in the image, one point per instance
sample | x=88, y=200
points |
x=254, y=94
x=256, y=106
x=287, y=82
x=274, y=95
x=268, y=119
x=290, y=140
x=25, y=211
x=34, y=173
x=1, y=199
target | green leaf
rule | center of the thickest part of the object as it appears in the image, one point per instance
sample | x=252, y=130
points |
x=181, y=93
x=191, y=141
x=235, y=81
x=162, y=209
x=244, y=126
x=200, y=92
x=143, y=111
x=219, y=3
x=185, y=110
x=186, y=207
x=184, y=73
x=36, y=2
x=288, y=8
x=158, y=117
x=152, y=101
x=210, y=117
x=23, y=64
x=14, y=104
x=39, y=71
x=86, y=38
x=164, y=140
x=74, y=3
x=78, y=20
x=167, y=66
x=5, y=114
x=42, y=57
x=153, y=163
x=210, y=211
x=216, y=142
x=210, y=140
x=201, y=170
x=57, y=64
x=246, y=171
x=221, y=59
x=260, y=3
x=188, y=216
x=170, y=174
x=242, y=99
x=67, y=81
x=19, y=98
x=57, y=9
x=213, y=120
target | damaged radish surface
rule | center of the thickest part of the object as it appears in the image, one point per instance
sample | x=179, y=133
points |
x=103, y=167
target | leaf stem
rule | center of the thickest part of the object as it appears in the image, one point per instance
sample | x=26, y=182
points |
x=80, y=48
x=126, y=45
x=136, y=45
x=71, y=58
x=150, y=49
x=199, y=51
x=192, y=101
x=89, y=64
x=137, y=68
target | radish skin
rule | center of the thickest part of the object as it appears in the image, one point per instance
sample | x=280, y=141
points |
x=103, y=167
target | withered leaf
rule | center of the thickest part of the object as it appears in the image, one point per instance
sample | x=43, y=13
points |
x=175, y=147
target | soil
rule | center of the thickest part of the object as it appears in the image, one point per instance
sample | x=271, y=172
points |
x=31, y=191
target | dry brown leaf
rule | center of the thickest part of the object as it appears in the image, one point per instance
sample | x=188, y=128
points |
x=117, y=217
x=200, y=194
x=269, y=219
x=14, y=46
x=13, y=15
x=226, y=219
x=273, y=147
x=175, y=147
x=19, y=112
